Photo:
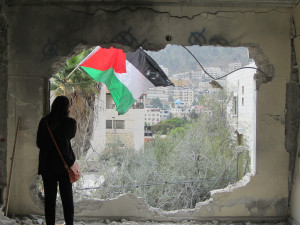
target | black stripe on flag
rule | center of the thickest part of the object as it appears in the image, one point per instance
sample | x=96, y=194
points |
x=149, y=68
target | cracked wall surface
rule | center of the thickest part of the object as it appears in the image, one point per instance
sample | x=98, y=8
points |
x=3, y=100
x=295, y=179
x=38, y=48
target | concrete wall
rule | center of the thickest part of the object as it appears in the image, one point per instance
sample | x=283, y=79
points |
x=295, y=195
x=42, y=36
x=3, y=102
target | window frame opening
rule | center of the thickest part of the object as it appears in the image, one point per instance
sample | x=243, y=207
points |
x=117, y=145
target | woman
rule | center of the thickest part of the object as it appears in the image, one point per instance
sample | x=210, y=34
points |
x=51, y=166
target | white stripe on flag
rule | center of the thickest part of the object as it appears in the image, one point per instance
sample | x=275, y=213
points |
x=134, y=80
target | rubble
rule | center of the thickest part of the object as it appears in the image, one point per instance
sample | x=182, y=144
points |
x=35, y=219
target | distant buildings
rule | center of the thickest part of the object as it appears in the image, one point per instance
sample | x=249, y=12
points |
x=165, y=114
x=152, y=116
x=180, y=110
x=184, y=94
x=213, y=71
x=179, y=101
x=158, y=92
x=181, y=82
x=234, y=66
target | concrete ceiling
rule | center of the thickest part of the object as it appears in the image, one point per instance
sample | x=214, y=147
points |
x=220, y=3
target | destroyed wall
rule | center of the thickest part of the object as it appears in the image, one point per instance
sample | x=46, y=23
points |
x=3, y=102
x=295, y=182
x=41, y=37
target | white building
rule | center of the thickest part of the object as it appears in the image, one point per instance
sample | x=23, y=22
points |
x=165, y=114
x=158, y=92
x=185, y=95
x=242, y=111
x=234, y=66
x=127, y=128
x=213, y=71
x=197, y=74
x=180, y=110
x=152, y=116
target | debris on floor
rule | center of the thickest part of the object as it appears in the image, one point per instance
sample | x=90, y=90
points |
x=40, y=220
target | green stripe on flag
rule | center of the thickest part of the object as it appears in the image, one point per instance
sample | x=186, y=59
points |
x=119, y=92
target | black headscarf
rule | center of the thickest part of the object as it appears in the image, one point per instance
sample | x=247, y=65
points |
x=59, y=111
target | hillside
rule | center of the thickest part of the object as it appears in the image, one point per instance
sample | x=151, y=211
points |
x=177, y=59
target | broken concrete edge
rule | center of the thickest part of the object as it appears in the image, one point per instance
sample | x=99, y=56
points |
x=231, y=187
x=214, y=220
x=266, y=71
x=139, y=210
x=129, y=207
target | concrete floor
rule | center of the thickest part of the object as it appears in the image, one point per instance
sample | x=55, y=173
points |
x=181, y=223
x=35, y=219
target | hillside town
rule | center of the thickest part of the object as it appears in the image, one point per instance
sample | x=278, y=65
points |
x=182, y=100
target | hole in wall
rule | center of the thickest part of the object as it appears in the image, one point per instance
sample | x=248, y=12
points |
x=176, y=144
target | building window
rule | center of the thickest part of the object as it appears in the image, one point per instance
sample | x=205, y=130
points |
x=243, y=90
x=240, y=139
x=119, y=124
x=108, y=124
x=242, y=101
x=234, y=107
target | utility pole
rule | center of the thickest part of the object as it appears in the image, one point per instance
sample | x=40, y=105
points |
x=114, y=127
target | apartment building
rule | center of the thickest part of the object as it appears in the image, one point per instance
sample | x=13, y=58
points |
x=158, y=92
x=152, y=116
x=127, y=128
x=185, y=95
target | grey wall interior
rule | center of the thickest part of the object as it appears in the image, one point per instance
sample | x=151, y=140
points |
x=36, y=39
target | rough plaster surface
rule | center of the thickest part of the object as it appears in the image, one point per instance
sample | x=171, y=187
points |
x=3, y=103
x=38, y=48
x=295, y=200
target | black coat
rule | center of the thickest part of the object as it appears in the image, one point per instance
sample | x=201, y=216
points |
x=49, y=159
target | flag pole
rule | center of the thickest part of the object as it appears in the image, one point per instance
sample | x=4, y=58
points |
x=72, y=72
x=64, y=80
x=89, y=55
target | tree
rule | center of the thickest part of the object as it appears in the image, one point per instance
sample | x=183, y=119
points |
x=156, y=102
x=165, y=126
x=178, y=171
x=194, y=115
x=80, y=88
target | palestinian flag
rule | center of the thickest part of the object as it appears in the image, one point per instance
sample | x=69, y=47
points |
x=126, y=75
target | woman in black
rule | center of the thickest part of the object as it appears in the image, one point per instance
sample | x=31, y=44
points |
x=51, y=166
